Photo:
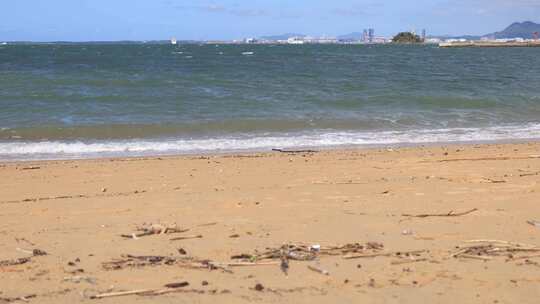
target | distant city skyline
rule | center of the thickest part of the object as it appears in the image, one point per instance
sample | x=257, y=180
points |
x=101, y=20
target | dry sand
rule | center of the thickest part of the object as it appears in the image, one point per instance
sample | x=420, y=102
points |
x=76, y=211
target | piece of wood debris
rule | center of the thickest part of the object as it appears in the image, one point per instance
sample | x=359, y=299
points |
x=369, y=255
x=169, y=288
x=476, y=257
x=121, y=293
x=31, y=168
x=16, y=299
x=177, y=285
x=495, y=181
x=294, y=151
x=38, y=252
x=243, y=264
x=207, y=224
x=407, y=261
x=386, y=254
x=524, y=257
x=188, y=237
x=449, y=214
x=318, y=270
x=489, y=158
x=534, y=223
x=503, y=242
x=14, y=262
x=79, y=279
x=154, y=229
x=488, y=249
x=529, y=174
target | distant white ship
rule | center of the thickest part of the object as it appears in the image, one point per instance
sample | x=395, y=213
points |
x=173, y=41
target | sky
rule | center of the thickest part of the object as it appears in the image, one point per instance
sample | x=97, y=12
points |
x=108, y=20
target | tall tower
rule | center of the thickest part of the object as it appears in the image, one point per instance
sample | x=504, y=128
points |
x=371, y=35
x=365, y=36
x=424, y=35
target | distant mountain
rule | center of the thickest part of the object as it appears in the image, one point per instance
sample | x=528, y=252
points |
x=517, y=30
x=467, y=37
x=352, y=36
x=282, y=37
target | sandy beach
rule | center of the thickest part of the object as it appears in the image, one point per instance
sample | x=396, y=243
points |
x=398, y=225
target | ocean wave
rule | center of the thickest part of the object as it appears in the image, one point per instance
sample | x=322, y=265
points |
x=82, y=149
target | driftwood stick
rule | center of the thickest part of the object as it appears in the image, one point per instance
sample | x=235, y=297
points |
x=524, y=257
x=15, y=262
x=243, y=264
x=449, y=214
x=207, y=224
x=150, y=232
x=294, y=151
x=488, y=158
x=22, y=298
x=504, y=242
x=371, y=255
x=122, y=293
x=189, y=237
x=170, y=290
x=477, y=257
x=534, y=223
x=383, y=254
x=461, y=251
x=408, y=261
x=318, y=270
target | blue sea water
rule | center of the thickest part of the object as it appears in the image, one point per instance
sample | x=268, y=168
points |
x=91, y=100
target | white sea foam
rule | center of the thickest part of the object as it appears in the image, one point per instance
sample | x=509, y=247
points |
x=80, y=149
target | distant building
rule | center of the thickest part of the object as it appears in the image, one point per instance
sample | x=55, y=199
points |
x=424, y=35
x=371, y=35
x=365, y=36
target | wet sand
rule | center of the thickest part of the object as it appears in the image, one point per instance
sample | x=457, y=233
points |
x=77, y=212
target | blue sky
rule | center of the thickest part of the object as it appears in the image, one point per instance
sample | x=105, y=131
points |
x=83, y=20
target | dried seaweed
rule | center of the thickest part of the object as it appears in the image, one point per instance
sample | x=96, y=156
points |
x=303, y=252
x=489, y=249
x=14, y=262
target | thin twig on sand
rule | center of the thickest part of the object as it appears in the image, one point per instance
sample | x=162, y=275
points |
x=169, y=288
x=318, y=270
x=294, y=151
x=23, y=298
x=449, y=214
x=386, y=254
x=121, y=293
x=188, y=237
x=407, y=261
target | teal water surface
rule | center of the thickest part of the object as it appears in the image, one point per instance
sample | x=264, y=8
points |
x=78, y=100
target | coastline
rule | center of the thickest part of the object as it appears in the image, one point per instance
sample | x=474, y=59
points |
x=241, y=203
x=232, y=151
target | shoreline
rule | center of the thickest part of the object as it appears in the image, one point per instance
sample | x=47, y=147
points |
x=233, y=152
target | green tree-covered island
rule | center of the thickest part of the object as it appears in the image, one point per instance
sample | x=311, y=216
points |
x=407, y=37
